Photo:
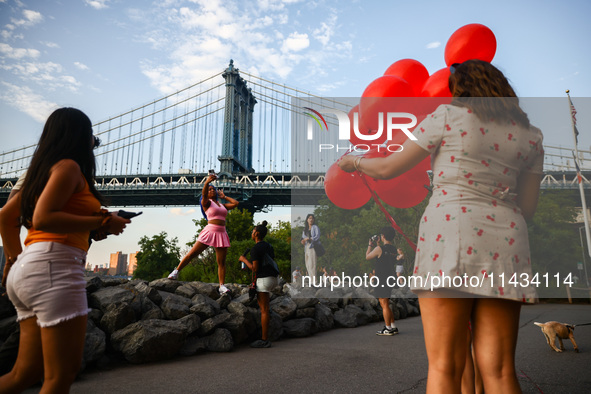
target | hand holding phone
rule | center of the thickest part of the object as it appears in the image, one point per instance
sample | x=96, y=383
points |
x=127, y=214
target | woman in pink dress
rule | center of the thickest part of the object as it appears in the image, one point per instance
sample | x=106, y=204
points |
x=214, y=234
x=487, y=163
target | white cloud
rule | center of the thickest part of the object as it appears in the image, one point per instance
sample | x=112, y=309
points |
x=180, y=212
x=18, y=53
x=326, y=30
x=295, y=42
x=433, y=45
x=97, y=4
x=81, y=66
x=50, y=44
x=30, y=18
x=27, y=101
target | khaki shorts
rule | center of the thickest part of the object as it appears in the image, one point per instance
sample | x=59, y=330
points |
x=47, y=281
x=267, y=284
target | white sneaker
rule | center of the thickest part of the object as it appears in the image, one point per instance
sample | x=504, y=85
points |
x=174, y=274
x=223, y=289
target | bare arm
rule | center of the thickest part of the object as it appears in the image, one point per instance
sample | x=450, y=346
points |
x=205, y=192
x=254, y=266
x=231, y=204
x=10, y=231
x=528, y=191
x=372, y=254
x=388, y=167
x=65, y=179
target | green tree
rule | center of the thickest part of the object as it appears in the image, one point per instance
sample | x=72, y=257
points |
x=157, y=257
x=553, y=235
x=239, y=225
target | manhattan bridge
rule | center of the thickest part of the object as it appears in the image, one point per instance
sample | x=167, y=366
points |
x=247, y=128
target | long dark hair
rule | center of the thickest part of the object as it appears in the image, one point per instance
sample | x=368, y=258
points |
x=474, y=82
x=201, y=199
x=308, y=228
x=67, y=134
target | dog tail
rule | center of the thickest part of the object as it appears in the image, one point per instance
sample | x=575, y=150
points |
x=539, y=324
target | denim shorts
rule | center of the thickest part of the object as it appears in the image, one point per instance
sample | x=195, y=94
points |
x=267, y=284
x=47, y=281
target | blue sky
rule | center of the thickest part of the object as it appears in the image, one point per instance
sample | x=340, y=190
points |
x=108, y=56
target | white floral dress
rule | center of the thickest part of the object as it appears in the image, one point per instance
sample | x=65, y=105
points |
x=472, y=230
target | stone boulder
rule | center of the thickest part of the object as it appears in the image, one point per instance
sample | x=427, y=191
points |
x=300, y=328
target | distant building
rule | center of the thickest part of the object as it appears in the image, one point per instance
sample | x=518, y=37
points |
x=132, y=263
x=118, y=264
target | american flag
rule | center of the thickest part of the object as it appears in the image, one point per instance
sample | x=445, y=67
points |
x=573, y=113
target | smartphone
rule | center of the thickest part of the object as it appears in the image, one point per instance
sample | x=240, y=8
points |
x=211, y=172
x=128, y=214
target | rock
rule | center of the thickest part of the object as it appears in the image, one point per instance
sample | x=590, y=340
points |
x=149, y=340
x=93, y=284
x=164, y=284
x=284, y=306
x=9, y=352
x=300, y=328
x=219, y=341
x=192, y=346
x=209, y=325
x=150, y=310
x=323, y=316
x=350, y=316
x=204, y=306
x=305, y=302
x=305, y=312
x=224, y=300
x=105, y=297
x=174, y=306
x=401, y=306
x=95, y=315
x=186, y=290
x=190, y=323
x=149, y=292
x=240, y=326
x=95, y=344
x=7, y=326
x=207, y=289
x=117, y=317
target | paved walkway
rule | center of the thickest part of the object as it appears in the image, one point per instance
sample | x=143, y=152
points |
x=350, y=361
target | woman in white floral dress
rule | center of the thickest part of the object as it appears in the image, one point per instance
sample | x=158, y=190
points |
x=487, y=164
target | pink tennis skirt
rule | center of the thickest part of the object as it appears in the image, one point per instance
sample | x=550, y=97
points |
x=214, y=235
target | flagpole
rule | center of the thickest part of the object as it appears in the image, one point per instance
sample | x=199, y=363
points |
x=582, y=192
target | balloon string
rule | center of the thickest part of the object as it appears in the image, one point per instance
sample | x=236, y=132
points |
x=393, y=223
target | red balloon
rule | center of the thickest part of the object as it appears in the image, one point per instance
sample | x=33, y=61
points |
x=473, y=41
x=410, y=70
x=404, y=191
x=373, y=102
x=356, y=140
x=437, y=85
x=345, y=190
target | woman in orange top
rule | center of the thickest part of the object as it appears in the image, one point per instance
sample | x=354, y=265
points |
x=60, y=206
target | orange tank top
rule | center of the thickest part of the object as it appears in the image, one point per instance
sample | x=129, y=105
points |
x=83, y=203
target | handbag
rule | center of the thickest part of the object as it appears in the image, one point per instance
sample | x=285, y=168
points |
x=319, y=248
x=268, y=261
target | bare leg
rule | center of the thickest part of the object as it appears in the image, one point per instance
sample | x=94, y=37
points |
x=468, y=375
x=28, y=368
x=496, y=324
x=445, y=321
x=220, y=255
x=63, y=345
x=386, y=311
x=263, y=300
x=194, y=252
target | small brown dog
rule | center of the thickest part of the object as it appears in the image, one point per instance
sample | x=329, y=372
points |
x=553, y=330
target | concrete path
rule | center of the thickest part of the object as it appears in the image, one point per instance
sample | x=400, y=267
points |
x=350, y=361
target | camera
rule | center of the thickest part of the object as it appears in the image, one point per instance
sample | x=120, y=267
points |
x=242, y=265
x=374, y=239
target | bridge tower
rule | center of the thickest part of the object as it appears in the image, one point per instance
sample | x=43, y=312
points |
x=236, y=154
